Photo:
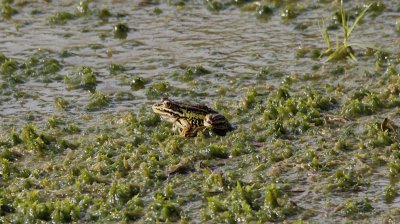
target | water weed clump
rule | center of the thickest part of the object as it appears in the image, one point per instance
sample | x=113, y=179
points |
x=394, y=164
x=34, y=141
x=116, y=68
x=242, y=203
x=6, y=10
x=162, y=209
x=193, y=71
x=121, y=193
x=137, y=83
x=264, y=12
x=290, y=11
x=8, y=67
x=61, y=103
x=346, y=180
x=104, y=14
x=161, y=89
x=157, y=11
x=238, y=205
x=380, y=135
x=357, y=209
x=61, y=18
x=215, y=151
x=295, y=115
x=121, y=31
x=83, y=8
x=98, y=100
x=190, y=73
x=40, y=66
x=84, y=78
x=133, y=209
x=41, y=142
x=390, y=193
x=214, y=5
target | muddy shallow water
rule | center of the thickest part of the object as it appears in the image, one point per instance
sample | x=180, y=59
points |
x=230, y=42
x=234, y=46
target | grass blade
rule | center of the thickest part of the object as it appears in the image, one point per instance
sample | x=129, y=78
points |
x=344, y=23
x=324, y=33
x=352, y=56
x=369, y=45
x=359, y=17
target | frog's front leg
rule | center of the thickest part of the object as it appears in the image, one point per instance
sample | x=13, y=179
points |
x=184, y=127
x=186, y=131
x=190, y=131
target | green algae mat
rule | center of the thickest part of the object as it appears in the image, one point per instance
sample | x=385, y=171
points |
x=312, y=88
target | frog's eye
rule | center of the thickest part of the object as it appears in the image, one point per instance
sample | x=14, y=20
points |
x=167, y=103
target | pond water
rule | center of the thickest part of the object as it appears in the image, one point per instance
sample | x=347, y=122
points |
x=324, y=171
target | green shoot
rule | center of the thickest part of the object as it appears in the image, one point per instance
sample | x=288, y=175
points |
x=343, y=50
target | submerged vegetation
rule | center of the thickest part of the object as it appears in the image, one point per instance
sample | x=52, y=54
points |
x=313, y=141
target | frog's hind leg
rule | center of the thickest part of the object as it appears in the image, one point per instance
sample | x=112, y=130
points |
x=197, y=129
x=220, y=132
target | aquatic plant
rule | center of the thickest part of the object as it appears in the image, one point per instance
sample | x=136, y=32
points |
x=249, y=100
x=214, y=5
x=346, y=180
x=61, y=103
x=264, y=12
x=394, y=164
x=358, y=208
x=121, y=193
x=356, y=107
x=197, y=70
x=276, y=207
x=66, y=210
x=61, y=18
x=242, y=203
x=104, y=14
x=98, y=100
x=390, y=193
x=377, y=7
x=159, y=89
x=344, y=49
x=84, y=78
x=121, y=31
x=133, y=209
x=137, y=83
x=83, y=8
x=290, y=11
x=7, y=10
x=157, y=11
x=116, y=68
x=162, y=209
x=3, y=58
x=33, y=140
x=215, y=150
x=190, y=73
